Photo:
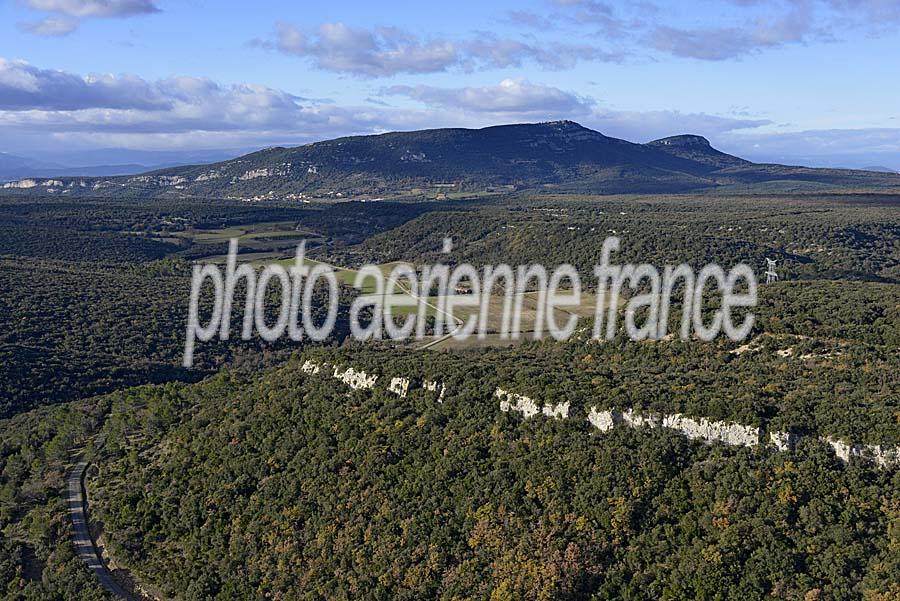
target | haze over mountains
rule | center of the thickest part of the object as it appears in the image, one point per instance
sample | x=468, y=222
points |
x=103, y=162
x=555, y=156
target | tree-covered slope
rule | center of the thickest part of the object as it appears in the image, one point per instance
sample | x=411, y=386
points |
x=291, y=485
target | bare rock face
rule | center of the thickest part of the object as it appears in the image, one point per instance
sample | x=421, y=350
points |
x=435, y=386
x=360, y=380
x=357, y=380
x=606, y=420
x=558, y=411
x=783, y=441
x=310, y=368
x=636, y=420
x=22, y=184
x=399, y=386
x=885, y=456
x=510, y=401
x=882, y=455
x=711, y=431
x=695, y=429
x=843, y=450
x=602, y=420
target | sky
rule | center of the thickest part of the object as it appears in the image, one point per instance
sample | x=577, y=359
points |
x=812, y=82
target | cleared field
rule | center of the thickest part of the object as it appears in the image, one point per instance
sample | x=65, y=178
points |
x=247, y=231
x=403, y=303
x=259, y=242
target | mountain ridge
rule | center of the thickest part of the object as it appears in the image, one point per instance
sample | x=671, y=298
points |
x=556, y=155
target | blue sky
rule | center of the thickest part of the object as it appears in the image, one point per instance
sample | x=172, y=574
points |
x=812, y=81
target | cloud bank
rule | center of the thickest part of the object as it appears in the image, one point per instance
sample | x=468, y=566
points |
x=389, y=51
x=510, y=96
x=64, y=16
x=45, y=108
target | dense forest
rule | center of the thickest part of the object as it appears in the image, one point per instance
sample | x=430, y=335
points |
x=811, y=236
x=247, y=477
x=37, y=559
x=95, y=294
x=287, y=486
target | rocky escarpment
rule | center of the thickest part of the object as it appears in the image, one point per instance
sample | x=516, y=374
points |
x=738, y=435
x=360, y=380
x=884, y=456
x=695, y=429
x=605, y=419
x=528, y=407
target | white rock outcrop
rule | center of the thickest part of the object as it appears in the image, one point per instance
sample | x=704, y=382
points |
x=843, y=450
x=357, y=380
x=209, y=175
x=558, y=411
x=256, y=173
x=602, y=420
x=310, y=368
x=695, y=429
x=882, y=455
x=712, y=431
x=435, y=386
x=399, y=386
x=21, y=184
x=783, y=441
x=510, y=401
x=635, y=420
x=360, y=380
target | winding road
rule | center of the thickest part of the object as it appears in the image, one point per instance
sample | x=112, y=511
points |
x=85, y=547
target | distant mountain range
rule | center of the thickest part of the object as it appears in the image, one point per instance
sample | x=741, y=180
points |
x=102, y=162
x=880, y=169
x=555, y=156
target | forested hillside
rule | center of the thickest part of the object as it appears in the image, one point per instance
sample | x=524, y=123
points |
x=95, y=293
x=291, y=485
x=267, y=480
x=37, y=559
x=811, y=236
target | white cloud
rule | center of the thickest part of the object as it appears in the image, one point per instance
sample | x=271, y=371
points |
x=41, y=102
x=43, y=108
x=51, y=26
x=830, y=147
x=643, y=126
x=380, y=52
x=388, y=51
x=519, y=99
x=743, y=28
x=26, y=87
x=95, y=8
x=65, y=15
x=491, y=51
x=720, y=43
x=509, y=97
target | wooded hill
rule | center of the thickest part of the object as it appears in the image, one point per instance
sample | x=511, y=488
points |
x=558, y=156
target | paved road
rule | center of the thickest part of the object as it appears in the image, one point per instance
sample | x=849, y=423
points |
x=81, y=537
